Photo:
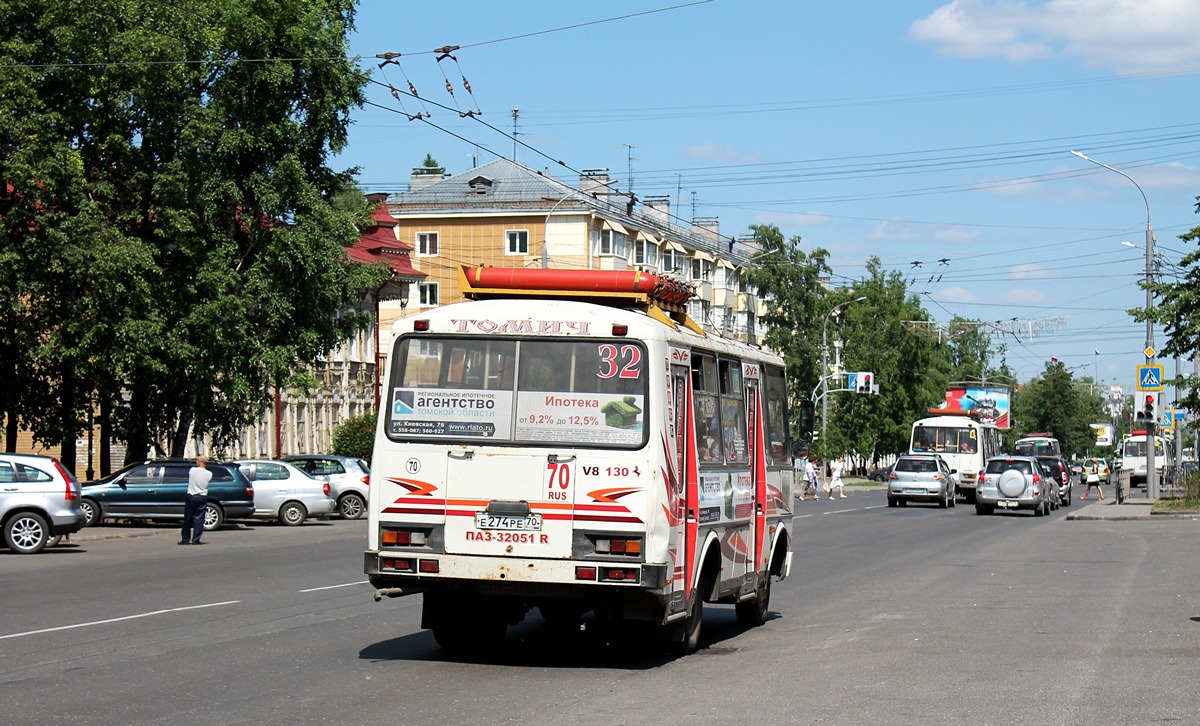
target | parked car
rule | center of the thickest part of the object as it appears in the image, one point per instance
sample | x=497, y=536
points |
x=348, y=477
x=157, y=489
x=921, y=478
x=284, y=492
x=1057, y=468
x=1015, y=482
x=39, y=502
x=880, y=474
x=1096, y=466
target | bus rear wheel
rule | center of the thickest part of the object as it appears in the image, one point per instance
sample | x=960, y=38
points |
x=752, y=613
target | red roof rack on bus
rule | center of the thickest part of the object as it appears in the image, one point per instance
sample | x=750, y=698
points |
x=660, y=297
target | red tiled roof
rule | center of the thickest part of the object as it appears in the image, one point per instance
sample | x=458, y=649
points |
x=379, y=243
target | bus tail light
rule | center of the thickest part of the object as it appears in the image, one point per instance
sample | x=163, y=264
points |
x=585, y=573
x=619, y=574
x=396, y=564
x=630, y=547
x=430, y=567
x=620, y=331
x=421, y=326
x=402, y=538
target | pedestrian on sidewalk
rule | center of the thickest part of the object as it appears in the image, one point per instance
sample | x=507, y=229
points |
x=197, y=501
x=835, y=477
x=1091, y=474
x=810, y=479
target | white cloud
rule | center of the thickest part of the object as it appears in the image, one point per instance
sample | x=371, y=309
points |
x=903, y=231
x=1025, y=295
x=784, y=220
x=1121, y=35
x=1030, y=271
x=722, y=153
x=956, y=295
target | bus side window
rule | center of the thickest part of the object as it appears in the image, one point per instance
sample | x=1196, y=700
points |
x=704, y=400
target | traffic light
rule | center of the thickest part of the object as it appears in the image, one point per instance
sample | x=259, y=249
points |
x=1149, y=410
x=864, y=382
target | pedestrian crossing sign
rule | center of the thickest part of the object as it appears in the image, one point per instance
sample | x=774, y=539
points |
x=1169, y=418
x=1150, y=377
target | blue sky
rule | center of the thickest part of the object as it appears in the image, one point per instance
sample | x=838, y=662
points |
x=909, y=131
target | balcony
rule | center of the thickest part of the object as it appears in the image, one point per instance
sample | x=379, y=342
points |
x=723, y=297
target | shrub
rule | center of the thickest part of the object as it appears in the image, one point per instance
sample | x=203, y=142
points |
x=355, y=437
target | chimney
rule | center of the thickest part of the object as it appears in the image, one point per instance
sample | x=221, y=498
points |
x=421, y=178
x=596, y=181
x=658, y=209
x=708, y=228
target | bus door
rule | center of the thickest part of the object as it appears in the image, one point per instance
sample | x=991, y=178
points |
x=758, y=464
x=682, y=482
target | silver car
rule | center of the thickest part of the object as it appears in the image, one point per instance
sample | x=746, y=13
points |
x=39, y=501
x=284, y=492
x=347, y=475
x=921, y=478
x=1015, y=482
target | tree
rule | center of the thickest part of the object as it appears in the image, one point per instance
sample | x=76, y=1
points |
x=1054, y=403
x=429, y=166
x=1178, y=311
x=910, y=368
x=790, y=281
x=173, y=215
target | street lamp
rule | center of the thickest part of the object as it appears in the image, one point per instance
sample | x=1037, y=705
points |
x=1151, y=473
x=837, y=309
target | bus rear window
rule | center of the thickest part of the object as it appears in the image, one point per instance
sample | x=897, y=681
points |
x=542, y=391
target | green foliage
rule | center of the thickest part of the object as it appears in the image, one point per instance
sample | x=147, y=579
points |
x=170, y=241
x=1178, y=312
x=429, y=166
x=1056, y=403
x=355, y=437
x=910, y=367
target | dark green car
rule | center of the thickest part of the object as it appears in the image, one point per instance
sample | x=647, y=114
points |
x=158, y=490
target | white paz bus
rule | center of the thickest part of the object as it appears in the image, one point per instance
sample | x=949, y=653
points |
x=570, y=441
x=963, y=441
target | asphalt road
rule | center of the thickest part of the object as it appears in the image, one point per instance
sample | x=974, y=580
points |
x=897, y=616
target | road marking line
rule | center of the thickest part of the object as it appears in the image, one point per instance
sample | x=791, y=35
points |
x=117, y=620
x=333, y=587
x=800, y=516
x=841, y=511
x=880, y=506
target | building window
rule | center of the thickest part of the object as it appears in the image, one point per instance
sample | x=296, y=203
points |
x=670, y=261
x=518, y=241
x=427, y=244
x=701, y=269
x=612, y=243
x=428, y=294
x=645, y=253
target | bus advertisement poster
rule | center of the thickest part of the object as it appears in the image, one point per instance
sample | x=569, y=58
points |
x=987, y=404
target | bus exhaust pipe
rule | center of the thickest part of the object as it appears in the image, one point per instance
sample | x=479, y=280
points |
x=390, y=592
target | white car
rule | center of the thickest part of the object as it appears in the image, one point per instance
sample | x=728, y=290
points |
x=284, y=492
x=347, y=475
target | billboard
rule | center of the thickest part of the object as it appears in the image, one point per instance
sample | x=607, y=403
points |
x=1105, y=434
x=989, y=404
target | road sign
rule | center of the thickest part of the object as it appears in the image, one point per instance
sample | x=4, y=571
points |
x=1170, y=418
x=1149, y=351
x=1150, y=377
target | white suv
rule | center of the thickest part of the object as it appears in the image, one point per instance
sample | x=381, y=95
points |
x=39, y=501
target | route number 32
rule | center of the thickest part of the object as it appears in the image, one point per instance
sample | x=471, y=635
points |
x=625, y=362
